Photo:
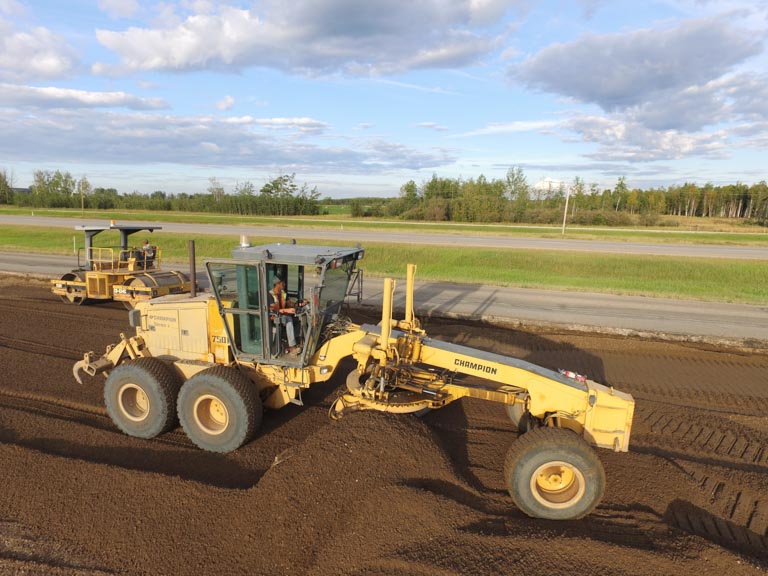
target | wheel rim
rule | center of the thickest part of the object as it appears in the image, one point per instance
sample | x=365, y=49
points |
x=211, y=415
x=557, y=484
x=133, y=402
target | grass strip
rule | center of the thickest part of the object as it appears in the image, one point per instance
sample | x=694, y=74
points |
x=719, y=280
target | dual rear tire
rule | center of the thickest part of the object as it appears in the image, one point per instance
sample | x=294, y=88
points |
x=140, y=397
x=218, y=408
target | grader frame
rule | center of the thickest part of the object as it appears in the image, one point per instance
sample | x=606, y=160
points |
x=216, y=361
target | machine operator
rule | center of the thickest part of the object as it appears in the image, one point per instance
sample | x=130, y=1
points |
x=281, y=305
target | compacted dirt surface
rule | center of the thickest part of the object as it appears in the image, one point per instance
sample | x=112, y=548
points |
x=373, y=493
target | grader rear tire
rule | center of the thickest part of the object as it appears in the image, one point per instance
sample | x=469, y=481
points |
x=219, y=409
x=552, y=473
x=140, y=396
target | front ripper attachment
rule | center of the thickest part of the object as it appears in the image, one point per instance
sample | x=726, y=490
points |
x=91, y=365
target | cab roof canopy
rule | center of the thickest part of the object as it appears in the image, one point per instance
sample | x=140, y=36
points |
x=125, y=230
x=292, y=253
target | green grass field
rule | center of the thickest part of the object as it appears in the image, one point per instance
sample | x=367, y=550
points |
x=722, y=280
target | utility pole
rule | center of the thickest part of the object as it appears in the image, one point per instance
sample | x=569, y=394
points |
x=565, y=210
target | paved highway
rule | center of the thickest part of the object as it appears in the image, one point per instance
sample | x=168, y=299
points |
x=422, y=236
x=737, y=325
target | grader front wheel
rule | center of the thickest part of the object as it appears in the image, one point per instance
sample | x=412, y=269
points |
x=554, y=474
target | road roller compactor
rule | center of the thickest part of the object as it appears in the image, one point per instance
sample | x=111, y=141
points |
x=125, y=274
x=214, y=361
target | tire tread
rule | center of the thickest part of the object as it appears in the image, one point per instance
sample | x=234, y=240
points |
x=153, y=372
x=246, y=392
x=557, y=438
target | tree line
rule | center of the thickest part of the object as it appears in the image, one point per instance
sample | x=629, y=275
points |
x=508, y=199
x=513, y=199
x=281, y=196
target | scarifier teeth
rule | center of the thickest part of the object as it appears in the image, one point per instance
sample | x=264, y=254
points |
x=343, y=405
x=76, y=370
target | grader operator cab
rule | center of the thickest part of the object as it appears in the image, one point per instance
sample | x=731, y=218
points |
x=216, y=360
x=125, y=274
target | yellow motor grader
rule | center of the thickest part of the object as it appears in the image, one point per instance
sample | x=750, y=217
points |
x=215, y=360
x=125, y=274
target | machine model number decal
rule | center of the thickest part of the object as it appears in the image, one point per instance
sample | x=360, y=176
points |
x=474, y=366
x=219, y=339
x=156, y=321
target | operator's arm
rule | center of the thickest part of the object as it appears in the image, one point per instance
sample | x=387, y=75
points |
x=275, y=307
x=293, y=304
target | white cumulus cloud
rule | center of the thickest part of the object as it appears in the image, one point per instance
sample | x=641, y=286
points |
x=52, y=97
x=620, y=70
x=270, y=144
x=120, y=8
x=667, y=93
x=303, y=125
x=35, y=54
x=511, y=127
x=317, y=37
x=225, y=103
x=11, y=7
x=619, y=139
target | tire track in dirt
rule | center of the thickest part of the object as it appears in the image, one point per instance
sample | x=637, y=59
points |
x=732, y=516
x=727, y=383
x=43, y=349
x=23, y=552
x=699, y=436
x=57, y=407
x=727, y=512
x=76, y=413
x=171, y=453
x=60, y=311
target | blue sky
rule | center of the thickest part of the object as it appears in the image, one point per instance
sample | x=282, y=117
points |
x=356, y=97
